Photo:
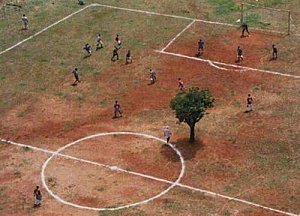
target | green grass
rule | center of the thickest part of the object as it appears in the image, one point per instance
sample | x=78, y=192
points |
x=172, y=205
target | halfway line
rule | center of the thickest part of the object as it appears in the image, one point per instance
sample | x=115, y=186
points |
x=114, y=168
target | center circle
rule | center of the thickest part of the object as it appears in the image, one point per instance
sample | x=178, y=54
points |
x=57, y=153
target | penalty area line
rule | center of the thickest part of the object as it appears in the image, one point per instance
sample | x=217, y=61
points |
x=115, y=168
x=243, y=68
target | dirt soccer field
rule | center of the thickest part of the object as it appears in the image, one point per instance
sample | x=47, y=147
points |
x=64, y=138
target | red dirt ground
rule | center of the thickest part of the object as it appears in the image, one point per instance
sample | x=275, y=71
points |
x=146, y=109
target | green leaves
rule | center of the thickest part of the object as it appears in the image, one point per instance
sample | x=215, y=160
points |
x=190, y=106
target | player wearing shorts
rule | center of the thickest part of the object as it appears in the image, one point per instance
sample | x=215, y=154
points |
x=249, y=103
x=152, y=76
x=115, y=54
x=99, y=43
x=76, y=76
x=118, y=43
x=180, y=84
x=88, y=49
x=167, y=134
x=117, y=110
x=128, y=57
x=200, y=47
x=37, y=197
x=240, y=56
x=25, y=22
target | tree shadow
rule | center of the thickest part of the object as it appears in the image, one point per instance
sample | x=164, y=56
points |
x=188, y=150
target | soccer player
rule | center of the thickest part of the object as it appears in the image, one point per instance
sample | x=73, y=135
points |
x=81, y=2
x=249, y=103
x=200, y=47
x=128, y=57
x=115, y=54
x=274, y=52
x=180, y=84
x=25, y=22
x=152, y=76
x=37, y=197
x=88, y=49
x=118, y=44
x=117, y=110
x=245, y=28
x=167, y=134
x=99, y=43
x=75, y=73
x=240, y=56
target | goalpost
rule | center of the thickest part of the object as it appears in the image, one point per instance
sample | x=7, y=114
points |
x=265, y=18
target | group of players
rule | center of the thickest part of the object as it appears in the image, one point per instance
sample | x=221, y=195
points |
x=153, y=77
x=240, y=52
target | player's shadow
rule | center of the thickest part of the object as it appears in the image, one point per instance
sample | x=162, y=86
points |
x=198, y=55
x=87, y=56
x=187, y=149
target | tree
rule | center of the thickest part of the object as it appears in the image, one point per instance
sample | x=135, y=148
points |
x=190, y=106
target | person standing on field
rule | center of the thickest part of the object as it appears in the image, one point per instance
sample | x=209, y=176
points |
x=99, y=43
x=249, y=103
x=128, y=57
x=117, y=110
x=274, y=52
x=25, y=22
x=37, y=197
x=167, y=134
x=115, y=54
x=75, y=73
x=152, y=76
x=200, y=47
x=240, y=56
x=245, y=29
x=180, y=84
x=118, y=43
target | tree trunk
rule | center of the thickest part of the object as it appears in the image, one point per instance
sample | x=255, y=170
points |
x=192, y=133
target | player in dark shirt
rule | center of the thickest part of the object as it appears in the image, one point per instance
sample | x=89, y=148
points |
x=75, y=73
x=274, y=51
x=88, y=49
x=249, y=103
x=115, y=54
x=152, y=76
x=245, y=28
x=117, y=110
x=200, y=47
x=37, y=197
x=240, y=56
x=128, y=57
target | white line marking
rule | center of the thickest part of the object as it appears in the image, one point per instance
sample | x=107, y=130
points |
x=165, y=15
x=43, y=30
x=213, y=65
x=173, y=184
x=155, y=178
x=225, y=69
x=188, y=26
x=229, y=65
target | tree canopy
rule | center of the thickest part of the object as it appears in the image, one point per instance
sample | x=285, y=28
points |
x=191, y=105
